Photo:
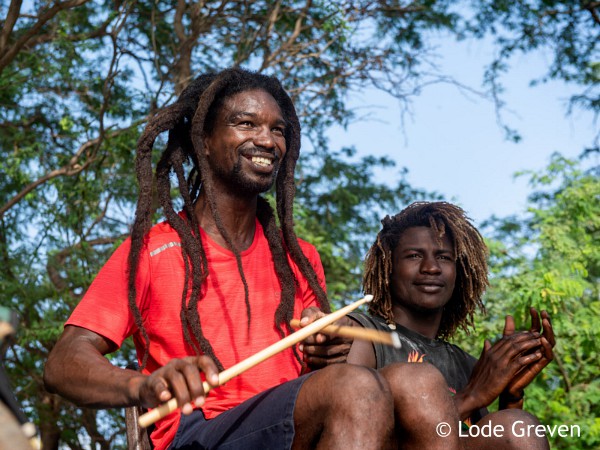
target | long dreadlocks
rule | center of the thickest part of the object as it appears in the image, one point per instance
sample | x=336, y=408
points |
x=188, y=120
x=471, y=262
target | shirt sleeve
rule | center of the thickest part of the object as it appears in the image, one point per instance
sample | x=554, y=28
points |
x=104, y=309
x=309, y=297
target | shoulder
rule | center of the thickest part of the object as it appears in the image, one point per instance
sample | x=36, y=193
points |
x=307, y=248
x=367, y=321
x=161, y=236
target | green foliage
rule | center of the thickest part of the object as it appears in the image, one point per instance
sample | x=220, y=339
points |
x=78, y=80
x=550, y=259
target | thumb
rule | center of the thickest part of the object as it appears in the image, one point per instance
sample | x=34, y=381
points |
x=509, y=326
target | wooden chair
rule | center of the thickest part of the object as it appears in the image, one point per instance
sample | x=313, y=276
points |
x=138, y=438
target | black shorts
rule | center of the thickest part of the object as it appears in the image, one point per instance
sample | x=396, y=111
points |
x=266, y=421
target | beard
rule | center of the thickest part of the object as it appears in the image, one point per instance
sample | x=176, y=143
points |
x=241, y=182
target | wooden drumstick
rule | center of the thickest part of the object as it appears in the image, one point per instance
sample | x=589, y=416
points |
x=366, y=334
x=163, y=410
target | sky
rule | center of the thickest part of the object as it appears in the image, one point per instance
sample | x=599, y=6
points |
x=452, y=143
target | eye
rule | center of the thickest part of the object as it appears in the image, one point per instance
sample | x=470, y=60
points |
x=246, y=123
x=446, y=258
x=413, y=256
x=279, y=130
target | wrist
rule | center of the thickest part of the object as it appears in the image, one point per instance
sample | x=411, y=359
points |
x=134, y=389
x=465, y=404
x=510, y=400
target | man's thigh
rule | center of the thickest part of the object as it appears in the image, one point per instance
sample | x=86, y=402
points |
x=266, y=421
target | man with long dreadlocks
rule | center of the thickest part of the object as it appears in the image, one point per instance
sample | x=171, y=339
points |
x=427, y=271
x=214, y=284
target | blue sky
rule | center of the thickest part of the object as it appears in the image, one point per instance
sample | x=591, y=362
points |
x=451, y=142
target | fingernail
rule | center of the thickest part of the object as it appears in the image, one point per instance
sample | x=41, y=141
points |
x=304, y=321
x=199, y=402
x=301, y=347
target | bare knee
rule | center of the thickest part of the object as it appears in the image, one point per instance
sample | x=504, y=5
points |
x=412, y=384
x=349, y=388
x=508, y=429
x=422, y=401
x=343, y=405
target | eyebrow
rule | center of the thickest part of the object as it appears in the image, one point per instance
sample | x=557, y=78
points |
x=421, y=249
x=240, y=114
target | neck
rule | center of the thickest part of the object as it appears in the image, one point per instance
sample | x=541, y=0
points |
x=426, y=322
x=237, y=216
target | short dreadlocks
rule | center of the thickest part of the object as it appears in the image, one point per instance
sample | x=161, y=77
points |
x=188, y=120
x=471, y=262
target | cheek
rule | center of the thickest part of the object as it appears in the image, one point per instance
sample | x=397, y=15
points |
x=452, y=279
x=282, y=148
x=399, y=279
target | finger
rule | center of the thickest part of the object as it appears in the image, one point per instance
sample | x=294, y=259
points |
x=210, y=370
x=547, y=349
x=548, y=330
x=528, y=359
x=316, y=339
x=509, y=326
x=179, y=387
x=326, y=351
x=160, y=388
x=195, y=390
x=309, y=315
x=487, y=345
x=510, y=347
x=535, y=320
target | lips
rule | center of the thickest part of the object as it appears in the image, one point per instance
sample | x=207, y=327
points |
x=429, y=287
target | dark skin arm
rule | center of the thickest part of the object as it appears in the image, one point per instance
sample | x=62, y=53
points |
x=496, y=367
x=321, y=350
x=512, y=396
x=77, y=370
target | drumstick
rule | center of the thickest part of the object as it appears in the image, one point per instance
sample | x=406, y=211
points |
x=366, y=334
x=163, y=410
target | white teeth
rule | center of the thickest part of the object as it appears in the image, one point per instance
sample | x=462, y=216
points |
x=261, y=161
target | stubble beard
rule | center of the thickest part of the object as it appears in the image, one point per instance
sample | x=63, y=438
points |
x=240, y=182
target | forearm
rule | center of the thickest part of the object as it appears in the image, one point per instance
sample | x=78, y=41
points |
x=466, y=404
x=79, y=372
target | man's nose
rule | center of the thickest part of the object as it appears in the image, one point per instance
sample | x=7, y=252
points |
x=264, y=138
x=430, y=264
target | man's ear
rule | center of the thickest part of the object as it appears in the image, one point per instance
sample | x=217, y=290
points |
x=206, y=144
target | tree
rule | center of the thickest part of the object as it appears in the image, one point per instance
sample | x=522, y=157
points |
x=567, y=31
x=549, y=258
x=78, y=80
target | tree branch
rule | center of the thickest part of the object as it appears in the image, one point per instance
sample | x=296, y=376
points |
x=9, y=23
x=7, y=56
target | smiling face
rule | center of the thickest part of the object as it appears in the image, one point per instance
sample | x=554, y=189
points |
x=423, y=272
x=247, y=142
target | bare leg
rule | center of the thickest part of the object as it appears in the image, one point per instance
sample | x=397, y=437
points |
x=344, y=406
x=509, y=429
x=422, y=402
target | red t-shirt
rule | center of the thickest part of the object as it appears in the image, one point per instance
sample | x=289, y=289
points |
x=104, y=310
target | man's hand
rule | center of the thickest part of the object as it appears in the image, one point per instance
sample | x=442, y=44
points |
x=513, y=394
x=179, y=378
x=497, y=367
x=319, y=349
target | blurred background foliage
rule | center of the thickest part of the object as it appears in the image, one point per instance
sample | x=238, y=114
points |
x=80, y=78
